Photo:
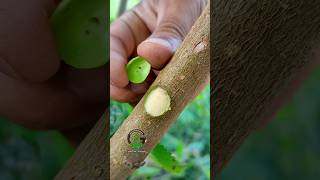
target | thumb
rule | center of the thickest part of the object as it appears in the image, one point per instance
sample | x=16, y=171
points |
x=174, y=20
x=158, y=50
x=163, y=42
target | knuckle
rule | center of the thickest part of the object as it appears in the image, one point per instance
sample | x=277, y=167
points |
x=173, y=28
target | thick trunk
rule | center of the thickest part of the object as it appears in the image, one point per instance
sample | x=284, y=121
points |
x=181, y=79
x=259, y=47
x=91, y=158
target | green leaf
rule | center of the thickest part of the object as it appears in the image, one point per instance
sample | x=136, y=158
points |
x=166, y=160
x=138, y=70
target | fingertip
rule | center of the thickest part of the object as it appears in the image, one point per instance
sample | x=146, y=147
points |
x=139, y=88
x=157, y=51
x=118, y=73
x=123, y=94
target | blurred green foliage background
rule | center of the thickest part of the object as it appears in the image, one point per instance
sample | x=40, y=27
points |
x=289, y=147
x=30, y=155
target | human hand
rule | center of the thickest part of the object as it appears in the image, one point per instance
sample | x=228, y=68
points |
x=154, y=30
x=38, y=90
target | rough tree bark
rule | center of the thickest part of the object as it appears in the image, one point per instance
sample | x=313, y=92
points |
x=181, y=78
x=257, y=49
x=91, y=158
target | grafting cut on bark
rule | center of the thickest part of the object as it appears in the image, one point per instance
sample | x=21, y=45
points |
x=181, y=79
x=258, y=49
x=157, y=102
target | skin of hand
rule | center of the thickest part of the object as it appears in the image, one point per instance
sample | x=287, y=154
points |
x=38, y=90
x=154, y=30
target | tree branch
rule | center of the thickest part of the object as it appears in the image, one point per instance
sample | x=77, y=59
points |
x=181, y=78
x=90, y=160
x=122, y=7
x=259, y=48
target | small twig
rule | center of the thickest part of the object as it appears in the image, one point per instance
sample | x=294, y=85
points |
x=122, y=7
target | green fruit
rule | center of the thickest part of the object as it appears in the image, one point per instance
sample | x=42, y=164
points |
x=81, y=32
x=138, y=70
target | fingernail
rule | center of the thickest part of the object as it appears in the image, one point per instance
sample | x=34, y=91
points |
x=172, y=43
